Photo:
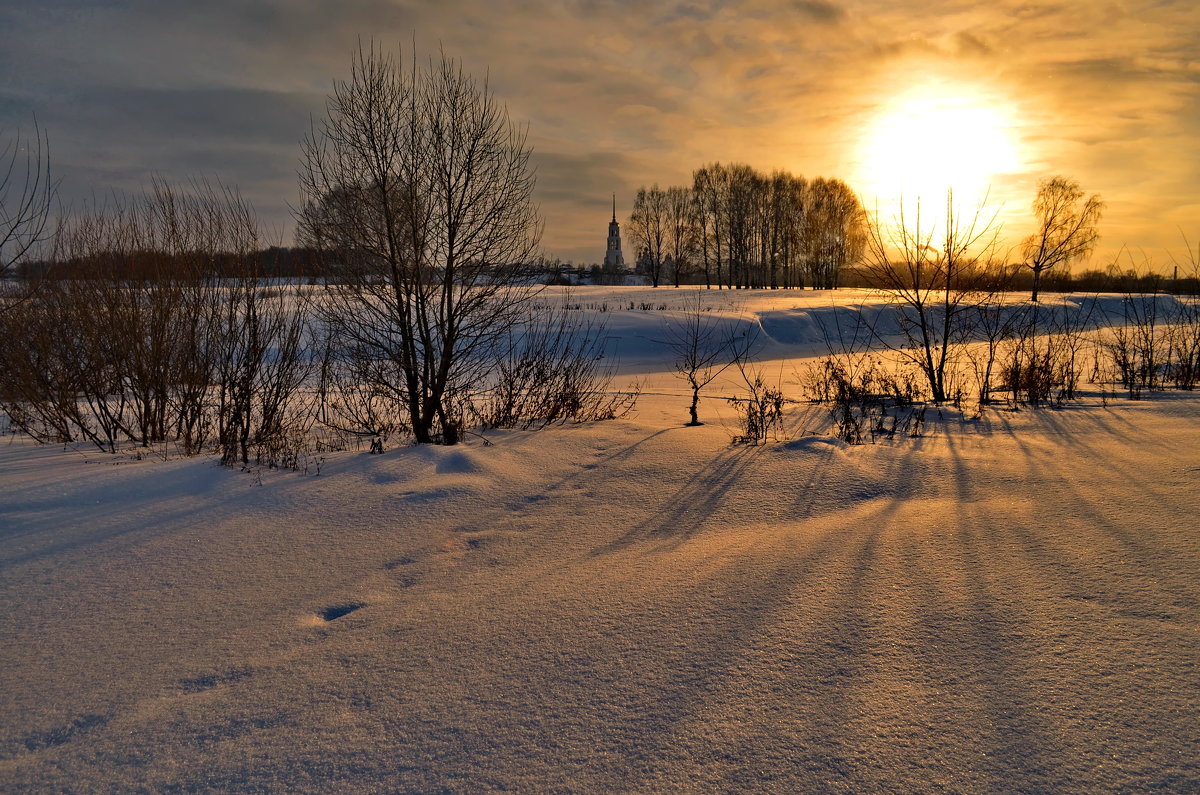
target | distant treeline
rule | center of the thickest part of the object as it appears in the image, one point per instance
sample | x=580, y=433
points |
x=274, y=262
x=1110, y=280
x=298, y=263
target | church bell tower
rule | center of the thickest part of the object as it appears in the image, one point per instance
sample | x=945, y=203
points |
x=613, y=259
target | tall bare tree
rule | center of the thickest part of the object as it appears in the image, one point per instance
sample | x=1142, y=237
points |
x=681, y=230
x=741, y=218
x=648, y=228
x=792, y=199
x=1066, y=228
x=835, y=234
x=709, y=185
x=419, y=188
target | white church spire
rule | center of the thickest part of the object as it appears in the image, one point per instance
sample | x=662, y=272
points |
x=613, y=259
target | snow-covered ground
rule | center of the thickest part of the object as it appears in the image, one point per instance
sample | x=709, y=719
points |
x=1009, y=603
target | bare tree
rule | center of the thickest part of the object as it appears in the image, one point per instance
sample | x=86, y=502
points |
x=703, y=346
x=937, y=279
x=1066, y=227
x=648, y=229
x=419, y=189
x=681, y=229
x=709, y=185
x=26, y=197
x=835, y=234
x=783, y=206
x=740, y=197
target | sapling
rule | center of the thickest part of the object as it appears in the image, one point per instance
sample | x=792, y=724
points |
x=703, y=346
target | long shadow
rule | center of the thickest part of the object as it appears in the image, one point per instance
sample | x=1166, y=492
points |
x=982, y=654
x=804, y=505
x=838, y=661
x=81, y=489
x=984, y=641
x=46, y=538
x=848, y=654
x=578, y=476
x=650, y=686
x=1044, y=472
x=127, y=532
x=833, y=662
x=826, y=663
x=899, y=482
x=1048, y=473
x=1076, y=429
x=685, y=511
x=749, y=595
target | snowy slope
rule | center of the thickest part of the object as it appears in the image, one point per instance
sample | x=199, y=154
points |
x=1007, y=603
x=792, y=324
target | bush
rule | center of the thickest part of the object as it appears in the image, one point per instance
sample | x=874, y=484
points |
x=761, y=411
x=550, y=371
x=868, y=399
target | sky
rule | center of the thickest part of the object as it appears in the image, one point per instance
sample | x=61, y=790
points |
x=896, y=98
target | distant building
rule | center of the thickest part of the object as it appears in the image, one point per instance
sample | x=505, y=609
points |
x=613, y=259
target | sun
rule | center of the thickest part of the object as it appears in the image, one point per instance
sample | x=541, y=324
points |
x=928, y=140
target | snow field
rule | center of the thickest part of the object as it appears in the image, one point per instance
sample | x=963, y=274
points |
x=1006, y=603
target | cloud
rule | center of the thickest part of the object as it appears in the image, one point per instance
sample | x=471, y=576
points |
x=819, y=11
x=617, y=93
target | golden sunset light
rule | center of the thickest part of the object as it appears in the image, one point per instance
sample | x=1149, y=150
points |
x=599, y=396
x=890, y=97
x=927, y=141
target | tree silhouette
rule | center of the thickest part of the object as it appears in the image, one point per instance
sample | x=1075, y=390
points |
x=1066, y=227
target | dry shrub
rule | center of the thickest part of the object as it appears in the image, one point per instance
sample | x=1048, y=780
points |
x=551, y=369
x=144, y=340
x=760, y=412
x=869, y=398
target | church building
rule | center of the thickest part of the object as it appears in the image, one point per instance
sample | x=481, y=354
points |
x=613, y=259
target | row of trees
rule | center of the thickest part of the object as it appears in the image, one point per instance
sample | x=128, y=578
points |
x=737, y=227
x=272, y=262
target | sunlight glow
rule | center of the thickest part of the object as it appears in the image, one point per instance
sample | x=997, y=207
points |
x=932, y=138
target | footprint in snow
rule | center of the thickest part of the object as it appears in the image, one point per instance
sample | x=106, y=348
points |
x=37, y=741
x=337, y=611
x=199, y=684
